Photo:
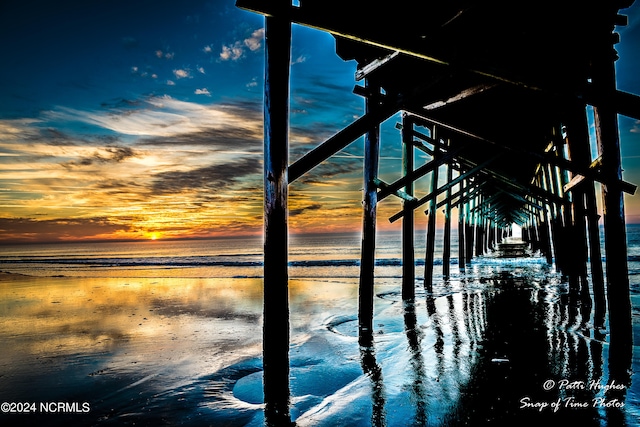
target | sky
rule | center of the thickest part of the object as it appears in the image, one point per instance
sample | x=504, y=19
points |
x=142, y=119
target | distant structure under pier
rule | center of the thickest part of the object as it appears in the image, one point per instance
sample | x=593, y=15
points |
x=499, y=98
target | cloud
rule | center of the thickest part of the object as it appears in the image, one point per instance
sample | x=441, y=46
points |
x=235, y=51
x=300, y=210
x=203, y=91
x=299, y=60
x=113, y=154
x=164, y=55
x=182, y=73
x=27, y=229
x=215, y=177
x=232, y=52
x=255, y=41
x=167, y=117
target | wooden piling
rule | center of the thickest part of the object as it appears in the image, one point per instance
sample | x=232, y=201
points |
x=595, y=258
x=469, y=231
x=408, y=255
x=544, y=219
x=367, y=262
x=446, y=244
x=615, y=240
x=431, y=222
x=461, y=228
x=580, y=151
x=276, y=159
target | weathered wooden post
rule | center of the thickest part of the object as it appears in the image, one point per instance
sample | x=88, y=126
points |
x=470, y=230
x=431, y=223
x=557, y=227
x=461, y=228
x=608, y=141
x=584, y=210
x=545, y=218
x=446, y=246
x=276, y=277
x=595, y=257
x=370, y=202
x=408, y=254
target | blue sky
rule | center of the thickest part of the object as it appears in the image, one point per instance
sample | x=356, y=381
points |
x=143, y=119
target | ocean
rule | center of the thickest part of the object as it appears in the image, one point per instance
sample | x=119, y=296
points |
x=169, y=333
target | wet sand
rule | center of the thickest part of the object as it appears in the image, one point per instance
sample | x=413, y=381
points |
x=496, y=351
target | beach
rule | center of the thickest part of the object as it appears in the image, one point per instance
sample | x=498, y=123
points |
x=164, y=343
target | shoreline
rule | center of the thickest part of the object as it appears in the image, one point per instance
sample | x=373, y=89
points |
x=151, y=349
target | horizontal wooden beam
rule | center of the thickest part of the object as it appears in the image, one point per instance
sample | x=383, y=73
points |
x=542, y=157
x=418, y=173
x=398, y=193
x=462, y=95
x=342, y=139
x=577, y=179
x=450, y=184
x=469, y=193
x=388, y=106
x=625, y=103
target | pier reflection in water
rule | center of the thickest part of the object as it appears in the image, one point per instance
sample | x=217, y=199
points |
x=507, y=349
x=501, y=345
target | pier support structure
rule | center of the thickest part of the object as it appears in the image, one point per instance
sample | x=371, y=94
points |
x=276, y=233
x=370, y=205
x=408, y=227
x=503, y=176
x=608, y=141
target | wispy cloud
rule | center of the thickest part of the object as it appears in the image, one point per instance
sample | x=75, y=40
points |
x=217, y=177
x=147, y=164
x=203, y=91
x=28, y=229
x=113, y=154
x=160, y=116
x=237, y=49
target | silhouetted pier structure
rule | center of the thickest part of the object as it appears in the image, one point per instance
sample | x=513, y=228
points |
x=499, y=96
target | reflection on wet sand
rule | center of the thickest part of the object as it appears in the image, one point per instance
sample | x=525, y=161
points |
x=518, y=350
x=494, y=351
x=372, y=370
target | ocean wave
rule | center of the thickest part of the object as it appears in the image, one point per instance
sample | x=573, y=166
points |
x=252, y=260
x=188, y=262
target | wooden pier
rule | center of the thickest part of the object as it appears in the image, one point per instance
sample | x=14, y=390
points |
x=498, y=99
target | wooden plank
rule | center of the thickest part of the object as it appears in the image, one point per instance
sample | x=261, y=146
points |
x=372, y=66
x=462, y=95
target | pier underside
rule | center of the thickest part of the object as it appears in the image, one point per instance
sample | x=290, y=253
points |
x=500, y=97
